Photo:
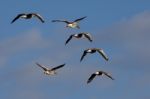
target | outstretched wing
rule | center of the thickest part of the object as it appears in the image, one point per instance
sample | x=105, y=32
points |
x=39, y=17
x=88, y=36
x=91, y=78
x=108, y=75
x=84, y=53
x=57, y=67
x=103, y=54
x=69, y=39
x=77, y=20
x=17, y=17
x=61, y=21
x=44, y=68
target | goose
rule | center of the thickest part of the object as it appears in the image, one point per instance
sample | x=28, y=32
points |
x=93, y=50
x=99, y=73
x=50, y=71
x=71, y=24
x=80, y=35
x=28, y=16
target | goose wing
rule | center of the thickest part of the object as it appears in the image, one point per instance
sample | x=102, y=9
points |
x=17, y=17
x=44, y=68
x=69, y=39
x=84, y=53
x=77, y=20
x=103, y=54
x=61, y=21
x=57, y=67
x=88, y=36
x=108, y=75
x=91, y=78
x=39, y=17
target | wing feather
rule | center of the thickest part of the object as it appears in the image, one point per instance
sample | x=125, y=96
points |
x=108, y=75
x=84, y=53
x=69, y=39
x=61, y=21
x=57, y=67
x=88, y=36
x=44, y=68
x=103, y=54
x=39, y=17
x=91, y=78
x=17, y=17
x=77, y=20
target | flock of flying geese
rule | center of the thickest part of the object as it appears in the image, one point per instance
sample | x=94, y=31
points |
x=69, y=24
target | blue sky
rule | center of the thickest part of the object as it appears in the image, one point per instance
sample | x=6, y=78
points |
x=121, y=28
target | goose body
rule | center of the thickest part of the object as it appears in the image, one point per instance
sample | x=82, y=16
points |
x=50, y=71
x=99, y=73
x=71, y=24
x=28, y=16
x=94, y=50
x=80, y=35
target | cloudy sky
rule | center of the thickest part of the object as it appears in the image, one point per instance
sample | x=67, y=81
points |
x=121, y=28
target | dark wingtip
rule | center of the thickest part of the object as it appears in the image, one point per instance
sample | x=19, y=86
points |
x=53, y=21
x=65, y=43
x=88, y=82
x=85, y=16
x=11, y=22
x=107, y=59
x=112, y=78
x=36, y=63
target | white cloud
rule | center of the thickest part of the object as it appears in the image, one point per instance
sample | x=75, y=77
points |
x=20, y=43
x=129, y=40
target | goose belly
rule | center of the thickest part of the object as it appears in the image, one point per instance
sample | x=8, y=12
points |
x=24, y=17
x=72, y=25
x=49, y=72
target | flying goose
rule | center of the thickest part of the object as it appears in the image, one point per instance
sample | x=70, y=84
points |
x=98, y=73
x=93, y=50
x=49, y=71
x=28, y=16
x=71, y=24
x=80, y=35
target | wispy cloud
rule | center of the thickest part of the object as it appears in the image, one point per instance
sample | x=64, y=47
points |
x=20, y=43
x=128, y=43
x=129, y=39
